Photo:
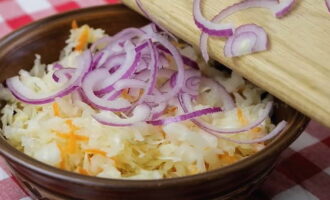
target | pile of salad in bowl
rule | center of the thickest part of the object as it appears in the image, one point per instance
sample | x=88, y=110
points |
x=135, y=105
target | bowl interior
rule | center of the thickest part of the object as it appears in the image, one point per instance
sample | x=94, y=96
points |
x=47, y=37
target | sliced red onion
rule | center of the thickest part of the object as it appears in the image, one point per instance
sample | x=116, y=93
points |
x=207, y=26
x=274, y=6
x=129, y=83
x=144, y=74
x=26, y=95
x=276, y=131
x=180, y=69
x=96, y=59
x=63, y=75
x=149, y=28
x=186, y=104
x=166, y=73
x=283, y=8
x=112, y=95
x=262, y=39
x=123, y=36
x=185, y=116
x=327, y=3
x=110, y=59
x=187, y=61
x=158, y=110
x=103, y=41
x=134, y=92
x=76, y=96
x=248, y=38
x=217, y=88
x=88, y=86
x=143, y=64
x=203, y=46
x=153, y=66
x=57, y=66
x=240, y=44
x=140, y=114
x=163, y=62
x=191, y=82
x=124, y=71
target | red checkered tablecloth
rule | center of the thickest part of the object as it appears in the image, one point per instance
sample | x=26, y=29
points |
x=302, y=174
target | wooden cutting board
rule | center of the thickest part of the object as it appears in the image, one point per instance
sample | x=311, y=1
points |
x=296, y=69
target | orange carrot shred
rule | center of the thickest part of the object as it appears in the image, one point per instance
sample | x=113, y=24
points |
x=74, y=24
x=171, y=110
x=72, y=127
x=56, y=109
x=125, y=94
x=83, y=171
x=71, y=137
x=228, y=158
x=63, y=157
x=83, y=39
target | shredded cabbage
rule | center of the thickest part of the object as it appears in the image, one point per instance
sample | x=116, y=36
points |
x=63, y=134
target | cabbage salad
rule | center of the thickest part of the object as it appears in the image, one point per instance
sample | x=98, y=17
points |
x=135, y=105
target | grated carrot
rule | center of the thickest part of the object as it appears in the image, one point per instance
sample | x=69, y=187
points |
x=96, y=151
x=241, y=117
x=83, y=39
x=228, y=159
x=62, y=164
x=66, y=136
x=171, y=110
x=56, y=109
x=72, y=127
x=83, y=171
x=71, y=137
x=125, y=94
x=74, y=24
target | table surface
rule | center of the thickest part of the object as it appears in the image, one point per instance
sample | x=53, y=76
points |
x=302, y=174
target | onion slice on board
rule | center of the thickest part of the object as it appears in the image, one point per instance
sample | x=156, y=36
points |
x=26, y=95
x=278, y=9
x=209, y=27
x=327, y=3
x=261, y=43
x=240, y=44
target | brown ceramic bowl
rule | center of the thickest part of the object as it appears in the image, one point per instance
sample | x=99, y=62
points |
x=46, y=37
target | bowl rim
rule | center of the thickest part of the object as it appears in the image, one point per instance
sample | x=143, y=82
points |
x=9, y=152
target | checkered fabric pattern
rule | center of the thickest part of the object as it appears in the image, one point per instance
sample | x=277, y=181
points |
x=302, y=174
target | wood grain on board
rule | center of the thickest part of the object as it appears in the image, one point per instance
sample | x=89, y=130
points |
x=296, y=69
